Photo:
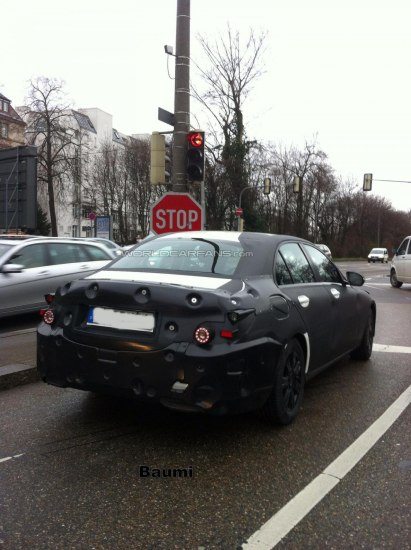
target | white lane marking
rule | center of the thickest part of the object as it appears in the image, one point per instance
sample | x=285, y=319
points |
x=391, y=349
x=281, y=523
x=10, y=457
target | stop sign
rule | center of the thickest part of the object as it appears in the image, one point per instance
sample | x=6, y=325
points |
x=176, y=212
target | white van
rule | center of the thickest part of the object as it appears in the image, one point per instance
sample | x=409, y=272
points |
x=378, y=255
x=401, y=264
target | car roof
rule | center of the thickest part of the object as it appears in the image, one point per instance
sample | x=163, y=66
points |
x=235, y=236
x=40, y=240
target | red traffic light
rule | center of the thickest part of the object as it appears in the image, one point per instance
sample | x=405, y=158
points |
x=195, y=139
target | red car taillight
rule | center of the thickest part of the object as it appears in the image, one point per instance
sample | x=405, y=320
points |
x=203, y=335
x=48, y=316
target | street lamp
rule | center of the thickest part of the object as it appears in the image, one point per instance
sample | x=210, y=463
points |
x=266, y=190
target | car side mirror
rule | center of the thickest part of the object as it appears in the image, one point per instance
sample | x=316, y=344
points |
x=355, y=279
x=12, y=268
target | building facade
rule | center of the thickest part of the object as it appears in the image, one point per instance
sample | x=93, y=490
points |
x=12, y=126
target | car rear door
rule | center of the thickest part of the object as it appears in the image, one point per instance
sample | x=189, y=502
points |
x=297, y=280
x=73, y=260
x=401, y=262
x=25, y=290
x=344, y=302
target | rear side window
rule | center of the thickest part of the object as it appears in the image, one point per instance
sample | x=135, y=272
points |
x=409, y=247
x=33, y=255
x=297, y=263
x=326, y=270
x=96, y=254
x=66, y=253
x=282, y=275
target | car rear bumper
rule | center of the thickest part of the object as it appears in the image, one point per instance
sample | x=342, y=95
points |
x=224, y=378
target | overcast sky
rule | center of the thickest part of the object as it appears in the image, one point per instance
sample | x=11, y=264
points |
x=336, y=70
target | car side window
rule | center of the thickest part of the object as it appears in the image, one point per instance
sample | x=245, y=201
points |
x=297, y=263
x=64, y=253
x=402, y=249
x=96, y=254
x=282, y=275
x=33, y=255
x=326, y=270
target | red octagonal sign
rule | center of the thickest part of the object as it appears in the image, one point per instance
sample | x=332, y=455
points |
x=176, y=212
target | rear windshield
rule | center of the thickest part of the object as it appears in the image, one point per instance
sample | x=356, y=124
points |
x=189, y=255
x=377, y=251
x=4, y=248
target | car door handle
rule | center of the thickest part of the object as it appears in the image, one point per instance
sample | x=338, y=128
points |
x=84, y=267
x=42, y=273
x=335, y=293
x=304, y=300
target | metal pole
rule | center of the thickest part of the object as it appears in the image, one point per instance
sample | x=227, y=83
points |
x=202, y=202
x=79, y=197
x=240, y=223
x=181, y=96
x=17, y=191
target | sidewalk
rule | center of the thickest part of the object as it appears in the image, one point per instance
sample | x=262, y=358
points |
x=18, y=358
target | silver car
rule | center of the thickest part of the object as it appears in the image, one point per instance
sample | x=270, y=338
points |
x=34, y=267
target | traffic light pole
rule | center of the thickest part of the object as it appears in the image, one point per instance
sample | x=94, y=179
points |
x=181, y=96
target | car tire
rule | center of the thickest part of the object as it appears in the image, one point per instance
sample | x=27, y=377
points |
x=364, y=350
x=285, y=399
x=394, y=281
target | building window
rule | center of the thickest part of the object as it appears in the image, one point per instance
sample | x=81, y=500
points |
x=86, y=210
x=5, y=107
x=74, y=231
x=4, y=130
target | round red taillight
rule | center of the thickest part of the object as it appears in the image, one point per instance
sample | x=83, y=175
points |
x=202, y=335
x=48, y=317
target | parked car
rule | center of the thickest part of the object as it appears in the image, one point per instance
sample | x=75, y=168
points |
x=220, y=322
x=325, y=250
x=378, y=255
x=400, y=271
x=34, y=267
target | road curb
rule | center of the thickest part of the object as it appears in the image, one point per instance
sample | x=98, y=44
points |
x=17, y=332
x=17, y=375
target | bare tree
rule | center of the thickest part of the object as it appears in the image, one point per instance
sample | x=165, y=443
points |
x=47, y=114
x=232, y=69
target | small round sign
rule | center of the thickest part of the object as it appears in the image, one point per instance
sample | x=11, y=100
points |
x=92, y=216
x=238, y=211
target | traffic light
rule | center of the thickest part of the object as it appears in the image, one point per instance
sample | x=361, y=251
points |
x=367, y=183
x=195, y=156
x=267, y=186
x=296, y=184
x=158, y=159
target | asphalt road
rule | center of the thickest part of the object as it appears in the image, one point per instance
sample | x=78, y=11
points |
x=69, y=461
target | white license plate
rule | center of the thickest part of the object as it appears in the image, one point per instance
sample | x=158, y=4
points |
x=121, y=320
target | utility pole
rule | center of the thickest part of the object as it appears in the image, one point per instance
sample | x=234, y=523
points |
x=181, y=96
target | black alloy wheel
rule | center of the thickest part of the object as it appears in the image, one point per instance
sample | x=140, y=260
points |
x=364, y=350
x=285, y=399
x=291, y=381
